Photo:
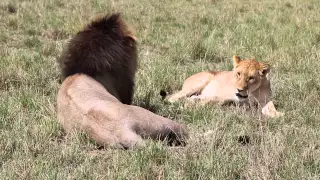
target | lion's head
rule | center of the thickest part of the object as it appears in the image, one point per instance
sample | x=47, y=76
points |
x=248, y=74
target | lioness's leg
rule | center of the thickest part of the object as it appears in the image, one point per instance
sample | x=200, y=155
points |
x=192, y=85
x=201, y=100
x=176, y=96
x=187, y=90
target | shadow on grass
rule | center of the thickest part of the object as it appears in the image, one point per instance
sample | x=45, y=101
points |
x=145, y=102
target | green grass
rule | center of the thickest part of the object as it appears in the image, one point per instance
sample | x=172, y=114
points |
x=176, y=39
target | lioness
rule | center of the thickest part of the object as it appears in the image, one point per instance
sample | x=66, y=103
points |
x=246, y=84
x=98, y=67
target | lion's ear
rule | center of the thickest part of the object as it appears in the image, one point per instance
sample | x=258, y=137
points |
x=264, y=69
x=236, y=60
x=130, y=40
x=132, y=37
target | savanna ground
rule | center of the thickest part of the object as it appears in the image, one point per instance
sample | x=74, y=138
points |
x=176, y=39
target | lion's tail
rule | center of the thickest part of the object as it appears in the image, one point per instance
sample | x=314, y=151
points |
x=150, y=125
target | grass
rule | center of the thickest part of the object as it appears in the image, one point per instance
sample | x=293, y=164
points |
x=176, y=39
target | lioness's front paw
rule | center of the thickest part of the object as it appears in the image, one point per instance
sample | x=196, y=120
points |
x=275, y=114
x=172, y=99
x=270, y=111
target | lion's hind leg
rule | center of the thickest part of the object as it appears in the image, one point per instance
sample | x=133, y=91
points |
x=150, y=125
x=124, y=139
x=130, y=139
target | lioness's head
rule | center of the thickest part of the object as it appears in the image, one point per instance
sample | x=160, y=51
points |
x=248, y=75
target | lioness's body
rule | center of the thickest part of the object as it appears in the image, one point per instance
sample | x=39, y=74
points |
x=98, y=67
x=226, y=86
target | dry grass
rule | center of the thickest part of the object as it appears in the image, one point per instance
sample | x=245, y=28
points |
x=176, y=39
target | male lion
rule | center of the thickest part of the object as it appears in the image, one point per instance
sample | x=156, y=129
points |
x=246, y=84
x=98, y=67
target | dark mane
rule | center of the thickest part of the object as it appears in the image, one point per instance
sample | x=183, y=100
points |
x=104, y=47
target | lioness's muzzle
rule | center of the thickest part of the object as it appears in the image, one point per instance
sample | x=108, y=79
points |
x=241, y=96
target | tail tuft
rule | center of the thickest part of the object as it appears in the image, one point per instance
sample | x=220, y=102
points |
x=163, y=94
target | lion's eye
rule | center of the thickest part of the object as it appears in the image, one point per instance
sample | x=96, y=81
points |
x=238, y=74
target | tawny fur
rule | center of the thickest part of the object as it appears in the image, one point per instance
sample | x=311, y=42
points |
x=98, y=67
x=246, y=84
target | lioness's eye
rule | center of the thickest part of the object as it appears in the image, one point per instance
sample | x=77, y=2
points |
x=238, y=73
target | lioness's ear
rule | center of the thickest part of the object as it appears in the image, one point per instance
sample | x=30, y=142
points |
x=264, y=69
x=236, y=60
